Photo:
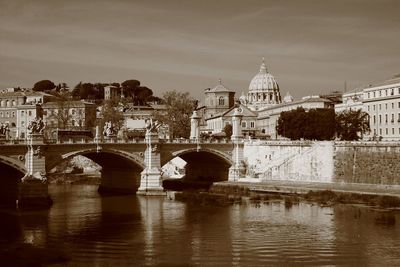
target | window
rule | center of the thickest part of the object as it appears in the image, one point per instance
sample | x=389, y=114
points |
x=380, y=106
x=13, y=114
x=380, y=119
x=386, y=106
x=374, y=107
x=368, y=108
x=392, y=130
x=1, y=114
x=380, y=131
x=244, y=124
x=392, y=118
x=374, y=119
x=386, y=131
x=221, y=101
x=22, y=113
x=73, y=111
x=386, y=118
x=22, y=124
x=30, y=113
x=392, y=105
x=252, y=124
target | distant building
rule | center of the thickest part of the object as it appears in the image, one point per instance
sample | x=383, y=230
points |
x=25, y=114
x=352, y=100
x=12, y=101
x=218, y=100
x=111, y=92
x=68, y=115
x=382, y=102
x=217, y=123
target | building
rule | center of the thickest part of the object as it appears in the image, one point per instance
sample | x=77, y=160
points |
x=217, y=123
x=382, y=102
x=14, y=103
x=352, y=100
x=25, y=114
x=263, y=90
x=218, y=100
x=111, y=92
x=68, y=115
x=268, y=117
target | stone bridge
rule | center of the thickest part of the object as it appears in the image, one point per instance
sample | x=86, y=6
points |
x=127, y=167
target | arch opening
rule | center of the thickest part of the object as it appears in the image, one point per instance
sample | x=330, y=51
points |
x=118, y=174
x=202, y=169
x=10, y=178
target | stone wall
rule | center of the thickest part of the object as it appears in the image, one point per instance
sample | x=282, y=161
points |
x=371, y=163
x=348, y=162
x=289, y=160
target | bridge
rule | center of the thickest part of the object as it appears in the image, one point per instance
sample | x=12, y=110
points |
x=127, y=167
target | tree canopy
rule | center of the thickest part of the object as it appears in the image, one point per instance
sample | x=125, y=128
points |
x=43, y=85
x=139, y=95
x=89, y=91
x=315, y=124
x=352, y=124
x=179, y=108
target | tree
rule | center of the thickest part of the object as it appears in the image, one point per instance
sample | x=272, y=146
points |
x=352, y=124
x=315, y=124
x=140, y=95
x=62, y=114
x=179, y=108
x=228, y=130
x=43, y=85
x=110, y=113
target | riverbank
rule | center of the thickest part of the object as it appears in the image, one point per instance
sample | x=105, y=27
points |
x=325, y=193
x=77, y=178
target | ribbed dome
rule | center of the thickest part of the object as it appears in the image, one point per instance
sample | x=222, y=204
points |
x=263, y=81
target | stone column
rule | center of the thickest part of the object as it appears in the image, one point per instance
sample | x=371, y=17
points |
x=33, y=190
x=150, y=181
x=195, y=127
x=237, y=170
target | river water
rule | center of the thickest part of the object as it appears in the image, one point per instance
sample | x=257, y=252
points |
x=154, y=231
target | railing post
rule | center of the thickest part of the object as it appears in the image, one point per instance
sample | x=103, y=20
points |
x=238, y=169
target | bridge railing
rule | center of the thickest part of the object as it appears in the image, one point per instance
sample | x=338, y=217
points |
x=116, y=141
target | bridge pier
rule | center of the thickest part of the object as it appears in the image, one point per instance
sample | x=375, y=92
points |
x=238, y=169
x=150, y=181
x=33, y=188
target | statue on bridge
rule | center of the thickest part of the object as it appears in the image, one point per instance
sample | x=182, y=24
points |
x=109, y=129
x=152, y=127
x=4, y=130
x=35, y=126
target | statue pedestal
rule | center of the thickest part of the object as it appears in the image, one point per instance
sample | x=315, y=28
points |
x=151, y=183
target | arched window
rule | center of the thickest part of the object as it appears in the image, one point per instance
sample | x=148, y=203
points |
x=221, y=101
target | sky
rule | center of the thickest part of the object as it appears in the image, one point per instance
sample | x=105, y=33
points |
x=311, y=47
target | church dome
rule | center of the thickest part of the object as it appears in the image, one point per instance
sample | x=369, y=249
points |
x=263, y=81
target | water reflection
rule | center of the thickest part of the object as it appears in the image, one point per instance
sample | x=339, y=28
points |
x=134, y=230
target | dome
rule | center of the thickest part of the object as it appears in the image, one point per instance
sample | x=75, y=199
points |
x=263, y=81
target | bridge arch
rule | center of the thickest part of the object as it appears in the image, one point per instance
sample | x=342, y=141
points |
x=11, y=172
x=13, y=163
x=204, y=164
x=120, y=171
x=93, y=151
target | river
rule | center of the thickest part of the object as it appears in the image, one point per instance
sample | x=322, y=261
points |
x=154, y=231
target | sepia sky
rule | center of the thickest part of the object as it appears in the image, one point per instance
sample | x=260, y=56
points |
x=310, y=46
